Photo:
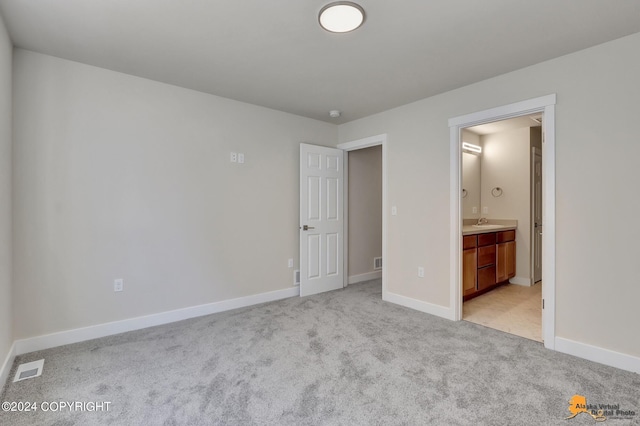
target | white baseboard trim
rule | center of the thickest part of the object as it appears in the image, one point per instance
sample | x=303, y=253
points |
x=353, y=279
x=597, y=354
x=520, y=281
x=6, y=366
x=419, y=305
x=101, y=330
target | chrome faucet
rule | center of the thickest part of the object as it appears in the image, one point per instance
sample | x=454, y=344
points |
x=482, y=220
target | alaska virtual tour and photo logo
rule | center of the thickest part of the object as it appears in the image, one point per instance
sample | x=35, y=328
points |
x=599, y=412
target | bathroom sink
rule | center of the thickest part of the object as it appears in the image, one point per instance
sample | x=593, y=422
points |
x=488, y=226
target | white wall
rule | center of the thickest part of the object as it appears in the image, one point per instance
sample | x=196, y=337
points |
x=596, y=171
x=122, y=177
x=506, y=164
x=365, y=209
x=6, y=337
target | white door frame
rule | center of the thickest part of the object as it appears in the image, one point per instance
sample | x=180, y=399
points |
x=353, y=146
x=546, y=105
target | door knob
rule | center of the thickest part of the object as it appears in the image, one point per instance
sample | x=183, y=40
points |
x=307, y=227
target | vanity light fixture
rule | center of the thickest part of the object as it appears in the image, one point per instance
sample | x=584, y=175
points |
x=471, y=147
x=341, y=16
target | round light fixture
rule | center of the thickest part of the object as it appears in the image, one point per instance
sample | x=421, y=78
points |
x=341, y=17
x=334, y=113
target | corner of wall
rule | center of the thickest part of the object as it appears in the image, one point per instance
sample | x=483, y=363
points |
x=7, y=347
x=5, y=368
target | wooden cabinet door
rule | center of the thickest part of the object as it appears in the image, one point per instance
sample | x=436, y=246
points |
x=469, y=269
x=501, y=263
x=505, y=261
x=511, y=259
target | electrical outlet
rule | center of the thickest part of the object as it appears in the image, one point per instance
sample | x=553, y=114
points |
x=234, y=157
x=420, y=272
x=475, y=209
x=240, y=158
x=394, y=210
x=290, y=263
x=485, y=210
x=118, y=285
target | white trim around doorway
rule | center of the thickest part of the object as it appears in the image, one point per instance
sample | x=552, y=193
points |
x=352, y=146
x=546, y=105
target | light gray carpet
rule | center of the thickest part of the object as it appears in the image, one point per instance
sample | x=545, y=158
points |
x=344, y=357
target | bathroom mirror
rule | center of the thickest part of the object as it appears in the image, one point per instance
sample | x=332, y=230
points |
x=471, y=166
x=470, y=185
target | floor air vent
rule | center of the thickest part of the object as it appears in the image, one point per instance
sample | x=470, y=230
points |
x=29, y=370
x=377, y=263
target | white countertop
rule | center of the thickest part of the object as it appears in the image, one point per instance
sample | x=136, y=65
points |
x=494, y=225
x=471, y=229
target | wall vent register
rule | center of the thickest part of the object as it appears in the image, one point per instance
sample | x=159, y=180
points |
x=377, y=263
x=29, y=370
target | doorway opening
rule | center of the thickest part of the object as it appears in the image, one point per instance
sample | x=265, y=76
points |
x=544, y=105
x=502, y=225
x=365, y=212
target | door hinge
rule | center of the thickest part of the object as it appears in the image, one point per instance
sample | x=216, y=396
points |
x=542, y=303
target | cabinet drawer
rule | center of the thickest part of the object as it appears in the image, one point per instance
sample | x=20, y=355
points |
x=486, y=256
x=486, y=239
x=469, y=241
x=486, y=277
x=505, y=236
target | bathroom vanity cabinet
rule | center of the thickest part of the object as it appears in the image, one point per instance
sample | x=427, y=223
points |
x=488, y=260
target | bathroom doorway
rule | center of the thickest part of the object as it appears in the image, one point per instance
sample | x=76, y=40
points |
x=498, y=205
x=522, y=277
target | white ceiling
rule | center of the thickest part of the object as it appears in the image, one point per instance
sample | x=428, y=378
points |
x=273, y=52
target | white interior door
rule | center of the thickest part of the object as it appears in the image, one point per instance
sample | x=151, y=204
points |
x=321, y=219
x=537, y=216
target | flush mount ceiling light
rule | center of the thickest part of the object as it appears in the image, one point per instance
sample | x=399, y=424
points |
x=341, y=17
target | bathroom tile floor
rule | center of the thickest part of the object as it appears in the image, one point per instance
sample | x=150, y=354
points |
x=510, y=308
